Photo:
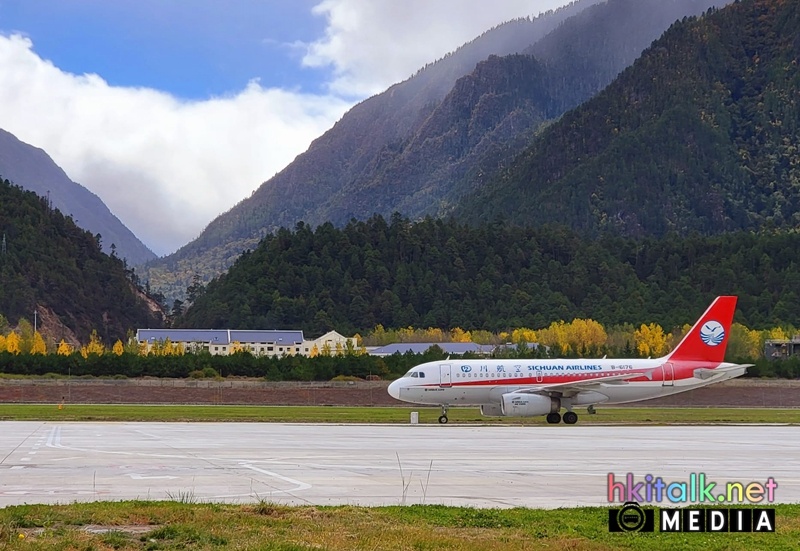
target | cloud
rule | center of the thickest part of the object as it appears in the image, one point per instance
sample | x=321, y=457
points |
x=165, y=167
x=372, y=45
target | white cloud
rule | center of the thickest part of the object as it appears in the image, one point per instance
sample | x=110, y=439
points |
x=165, y=167
x=373, y=44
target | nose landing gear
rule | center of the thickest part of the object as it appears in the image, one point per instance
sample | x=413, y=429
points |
x=443, y=416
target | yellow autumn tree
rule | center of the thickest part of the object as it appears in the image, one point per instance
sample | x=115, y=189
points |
x=13, y=343
x=64, y=348
x=744, y=343
x=777, y=334
x=556, y=337
x=236, y=347
x=94, y=347
x=523, y=334
x=38, y=345
x=650, y=340
x=314, y=352
x=118, y=349
x=2, y=343
x=585, y=334
x=459, y=335
x=481, y=336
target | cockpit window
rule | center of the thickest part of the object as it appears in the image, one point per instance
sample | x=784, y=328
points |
x=421, y=374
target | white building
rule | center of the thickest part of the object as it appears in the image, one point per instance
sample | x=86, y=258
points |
x=259, y=343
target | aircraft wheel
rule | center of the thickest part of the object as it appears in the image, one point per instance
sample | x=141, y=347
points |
x=443, y=419
x=553, y=418
x=570, y=418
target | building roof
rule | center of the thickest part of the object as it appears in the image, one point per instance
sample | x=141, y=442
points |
x=220, y=336
x=422, y=347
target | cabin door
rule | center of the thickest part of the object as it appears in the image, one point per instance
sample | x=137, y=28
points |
x=444, y=375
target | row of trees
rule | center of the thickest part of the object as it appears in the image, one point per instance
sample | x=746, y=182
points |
x=577, y=338
x=286, y=368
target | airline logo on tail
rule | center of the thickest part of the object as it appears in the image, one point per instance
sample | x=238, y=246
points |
x=712, y=333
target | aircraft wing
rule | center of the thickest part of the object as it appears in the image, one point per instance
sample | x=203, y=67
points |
x=573, y=387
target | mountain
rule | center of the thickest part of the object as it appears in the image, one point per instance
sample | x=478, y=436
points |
x=699, y=135
x=353, y=146
x=54, y=271
x=34, y=170
x=422, y=144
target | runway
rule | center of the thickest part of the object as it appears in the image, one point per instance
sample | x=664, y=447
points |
x=477, y=466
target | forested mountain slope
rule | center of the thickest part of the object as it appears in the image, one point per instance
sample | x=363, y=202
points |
x=700, y=134
x=31, y=168
x=419, y=146
x=494, y=277
x=50, y=266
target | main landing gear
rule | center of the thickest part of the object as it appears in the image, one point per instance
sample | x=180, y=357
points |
x=443, y=416
x=569, y=418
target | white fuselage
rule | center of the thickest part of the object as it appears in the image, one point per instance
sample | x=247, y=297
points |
x=484, y=382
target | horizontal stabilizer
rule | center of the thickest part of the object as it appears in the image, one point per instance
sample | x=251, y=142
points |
x=705, y=373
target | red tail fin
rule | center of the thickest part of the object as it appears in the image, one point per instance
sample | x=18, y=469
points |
x=708, y=338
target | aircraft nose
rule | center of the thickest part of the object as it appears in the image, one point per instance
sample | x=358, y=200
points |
x=394, y=390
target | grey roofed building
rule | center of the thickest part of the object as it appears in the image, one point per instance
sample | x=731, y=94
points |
x=218, y=341
x=422, y=347
x=219, y=336
x=257, y=342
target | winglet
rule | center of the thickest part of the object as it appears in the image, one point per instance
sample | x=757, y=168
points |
x=708, y=338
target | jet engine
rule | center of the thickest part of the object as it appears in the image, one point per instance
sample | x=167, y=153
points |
x=528, y=405
x=491, y=410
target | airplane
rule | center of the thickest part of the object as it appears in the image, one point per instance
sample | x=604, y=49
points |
x=528, y=388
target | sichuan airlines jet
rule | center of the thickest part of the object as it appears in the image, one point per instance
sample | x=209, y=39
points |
x=526, y=388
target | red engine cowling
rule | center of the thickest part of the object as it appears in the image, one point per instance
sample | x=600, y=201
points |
x=528, y=405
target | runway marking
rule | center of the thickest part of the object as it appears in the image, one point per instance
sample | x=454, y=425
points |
x=54, y=441
x=135, y=476
x=17, y=467
x=299, y=485
x=25, y=459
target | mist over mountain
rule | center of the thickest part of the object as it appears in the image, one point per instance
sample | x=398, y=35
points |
x=32, y=168
x=348, y=151
x=699, y=135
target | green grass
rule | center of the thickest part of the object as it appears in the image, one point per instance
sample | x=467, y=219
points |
x=332, y=414
x=172, y=525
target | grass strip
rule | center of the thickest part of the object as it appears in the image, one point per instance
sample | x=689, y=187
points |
x=334, y=414
x=267, y=526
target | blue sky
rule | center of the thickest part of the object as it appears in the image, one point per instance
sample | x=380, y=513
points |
x=173, y=111
x=214, y=48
